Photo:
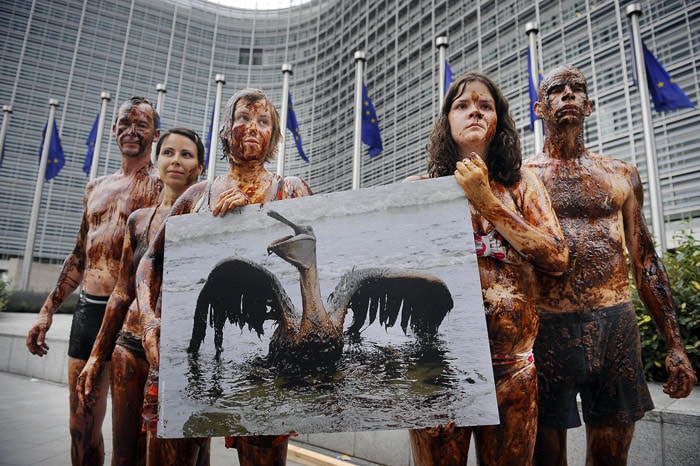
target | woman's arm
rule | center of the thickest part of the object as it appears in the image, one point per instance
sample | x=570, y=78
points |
x=535, y=232
x=149, y=277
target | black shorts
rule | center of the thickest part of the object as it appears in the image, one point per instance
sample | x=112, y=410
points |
x=132, y=343
x=598, y=355
x=87, y=319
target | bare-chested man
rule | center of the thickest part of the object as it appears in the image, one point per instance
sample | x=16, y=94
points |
x=515, y=232
x=250, y=135
x=180, y=160
x=94, y=263
x=588, y=341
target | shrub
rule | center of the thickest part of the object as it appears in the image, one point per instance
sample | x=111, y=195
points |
x=5, y=294
x=30, y=301
x=683, y=267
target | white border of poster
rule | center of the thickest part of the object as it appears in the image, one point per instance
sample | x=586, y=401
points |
x=386, y=380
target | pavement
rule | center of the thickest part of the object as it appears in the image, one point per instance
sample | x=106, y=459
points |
x=34, y=428
x=34, y=418
x=34, y=410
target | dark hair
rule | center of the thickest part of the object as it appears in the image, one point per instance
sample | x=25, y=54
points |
x=250, y=96
x=189, y=134
x=135, y=101
x=504, y=156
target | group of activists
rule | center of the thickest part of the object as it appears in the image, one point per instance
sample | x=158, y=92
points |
x=554, y=234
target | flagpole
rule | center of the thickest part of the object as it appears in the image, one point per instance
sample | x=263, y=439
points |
x=286, y=73
x=442, y=45
x=357, y=142
x=33, y=218
x=220, y=81
x=160, y=88
x=531, y=30
x=6, y=110
x=100, y=131
x=634, y=11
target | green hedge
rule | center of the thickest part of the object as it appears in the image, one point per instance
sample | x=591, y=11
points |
x=683, y=267
x=27, y=301
x=4, y=294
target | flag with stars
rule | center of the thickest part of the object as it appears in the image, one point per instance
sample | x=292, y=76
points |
x=665, y=93
x=532, y=90
x=56, y=159
x=90, y=142
x=293, y=126
x=448, y=77
x=370, y=125
x=211, y=131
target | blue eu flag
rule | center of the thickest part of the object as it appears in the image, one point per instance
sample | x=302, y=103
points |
x=665, y=93
x=370, y=125
x=448, y=77
x=293, y=126
x=211, y=130
x=532, y=91
x=91, y=141
x=56, y=159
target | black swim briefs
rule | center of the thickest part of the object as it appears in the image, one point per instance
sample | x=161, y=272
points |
x=87, y=319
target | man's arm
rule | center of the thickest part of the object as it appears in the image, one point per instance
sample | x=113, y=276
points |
x=68, y=280
x=654, y=288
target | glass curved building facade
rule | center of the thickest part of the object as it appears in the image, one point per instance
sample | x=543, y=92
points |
x=72, y=50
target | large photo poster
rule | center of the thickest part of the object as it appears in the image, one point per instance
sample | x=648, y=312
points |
x=351, y=311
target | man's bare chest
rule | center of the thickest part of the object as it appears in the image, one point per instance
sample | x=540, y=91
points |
x=108, y=208
x=583, y=192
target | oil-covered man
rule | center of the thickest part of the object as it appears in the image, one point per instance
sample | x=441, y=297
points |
x=588, y=341
x=94, y=264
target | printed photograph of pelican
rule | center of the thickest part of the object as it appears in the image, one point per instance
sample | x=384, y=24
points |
x=351, y=311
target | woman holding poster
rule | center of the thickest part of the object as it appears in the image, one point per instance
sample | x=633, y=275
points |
x=515, y=231
x=250, y=135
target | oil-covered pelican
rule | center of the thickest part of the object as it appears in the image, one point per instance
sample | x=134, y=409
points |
x=246, y=293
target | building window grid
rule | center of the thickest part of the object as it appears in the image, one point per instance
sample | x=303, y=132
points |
x=400, y=162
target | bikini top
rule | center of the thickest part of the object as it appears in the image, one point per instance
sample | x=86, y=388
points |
x=202, y=206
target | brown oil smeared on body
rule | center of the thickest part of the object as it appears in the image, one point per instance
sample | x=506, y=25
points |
x=588, y=199
x=109, y=206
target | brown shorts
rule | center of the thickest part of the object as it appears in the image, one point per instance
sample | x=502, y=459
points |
x=598, y=355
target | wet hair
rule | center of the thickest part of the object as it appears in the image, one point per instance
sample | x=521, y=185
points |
x=504, y=156
x=249, y=96
x=554, y=74
x=135, y=102
x=189, y=134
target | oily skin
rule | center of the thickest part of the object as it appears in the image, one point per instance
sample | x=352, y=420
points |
x=95, y=260
x=610, y=193
x=473, y=119
x=178, y=168
x=247, y=182
x=522, y=214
